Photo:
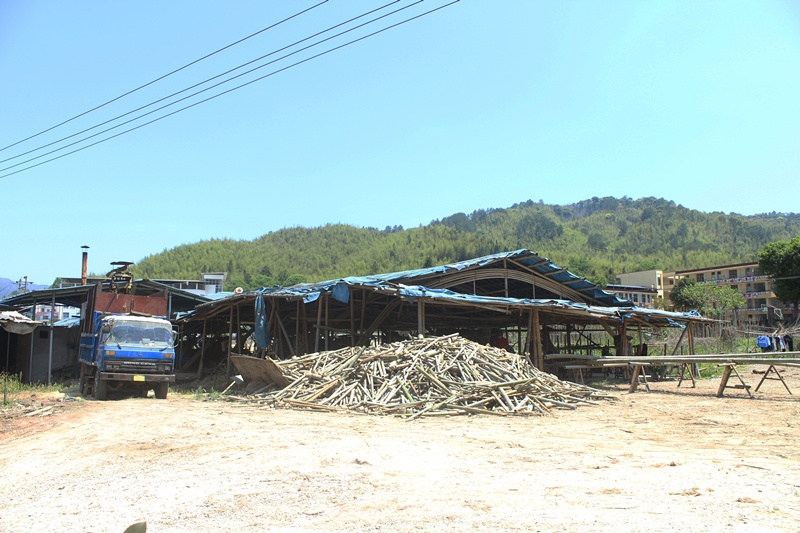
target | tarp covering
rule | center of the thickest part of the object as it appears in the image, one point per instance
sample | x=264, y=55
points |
x=261, y=323
x=604, y=305
x=530, y=260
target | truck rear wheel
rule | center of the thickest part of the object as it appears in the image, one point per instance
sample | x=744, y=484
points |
x=160, y=390
x=100, y=388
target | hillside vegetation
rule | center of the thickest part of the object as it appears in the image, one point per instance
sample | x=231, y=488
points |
x=596, y=238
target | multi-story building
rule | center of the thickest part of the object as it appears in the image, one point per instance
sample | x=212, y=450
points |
x=755, y=287
x=644, y=279
x=747, y=278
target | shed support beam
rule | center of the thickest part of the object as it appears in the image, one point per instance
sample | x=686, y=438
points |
x=52, y=332
x=230, y=337
x=319, y=322
x=202, y=351
x=33, y=317
x=421, y=317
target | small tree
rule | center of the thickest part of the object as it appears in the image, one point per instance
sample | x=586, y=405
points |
x=680, y=296
x=781, y=260
x=715, y=300
x=660, y=303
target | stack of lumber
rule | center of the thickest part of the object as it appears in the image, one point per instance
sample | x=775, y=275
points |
x=422, y=377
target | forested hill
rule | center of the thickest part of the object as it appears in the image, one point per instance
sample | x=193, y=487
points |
x=596, y=238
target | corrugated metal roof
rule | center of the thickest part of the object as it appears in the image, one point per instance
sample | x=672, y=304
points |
x=72, y=296
x=17, y=323
x=531, y=261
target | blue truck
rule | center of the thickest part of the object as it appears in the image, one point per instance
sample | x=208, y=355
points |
x=127, y=345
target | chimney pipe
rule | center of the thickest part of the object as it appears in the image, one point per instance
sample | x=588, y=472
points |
x=85, y=262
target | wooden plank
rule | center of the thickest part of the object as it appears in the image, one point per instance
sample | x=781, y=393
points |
x=254, y=369
x=537, y=341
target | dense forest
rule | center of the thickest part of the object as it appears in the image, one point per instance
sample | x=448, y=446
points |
x=597, y=238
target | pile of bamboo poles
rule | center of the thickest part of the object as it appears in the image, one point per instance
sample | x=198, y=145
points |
x=422, y=377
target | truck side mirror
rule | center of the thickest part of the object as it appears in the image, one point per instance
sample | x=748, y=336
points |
x=106, y=328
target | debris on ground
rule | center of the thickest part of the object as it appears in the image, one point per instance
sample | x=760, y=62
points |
x=440, y=376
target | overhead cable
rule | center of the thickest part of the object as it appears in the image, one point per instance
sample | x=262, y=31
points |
x=192, y=87
x=162, y=77
x=219, y=94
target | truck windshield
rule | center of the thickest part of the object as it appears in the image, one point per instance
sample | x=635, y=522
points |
x=138, y=333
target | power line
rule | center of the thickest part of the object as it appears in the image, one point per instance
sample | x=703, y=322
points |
x=192, y=87
x=162, y=77
x=219, y=94
x=134, y=119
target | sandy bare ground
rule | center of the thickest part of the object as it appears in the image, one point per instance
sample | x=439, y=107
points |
x=673, y=459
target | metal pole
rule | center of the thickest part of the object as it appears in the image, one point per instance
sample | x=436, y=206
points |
x=52, y=332
x=30, y=368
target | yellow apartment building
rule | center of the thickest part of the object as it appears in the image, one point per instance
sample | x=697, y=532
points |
x=747, y=278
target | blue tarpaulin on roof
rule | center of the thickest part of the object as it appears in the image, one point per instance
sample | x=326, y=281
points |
x=529, y=259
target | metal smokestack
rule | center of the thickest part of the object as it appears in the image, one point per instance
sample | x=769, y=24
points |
x=85, y=262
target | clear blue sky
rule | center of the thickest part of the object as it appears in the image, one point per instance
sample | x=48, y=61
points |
x=482, y=104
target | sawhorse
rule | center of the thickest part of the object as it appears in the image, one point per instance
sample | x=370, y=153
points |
x=723, y=384
x=773, y=369
x=684, y=368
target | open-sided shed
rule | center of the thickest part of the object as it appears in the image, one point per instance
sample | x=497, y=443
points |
x=520, y=294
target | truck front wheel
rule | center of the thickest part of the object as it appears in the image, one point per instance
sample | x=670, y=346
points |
x=100, y=388
x=160, y=390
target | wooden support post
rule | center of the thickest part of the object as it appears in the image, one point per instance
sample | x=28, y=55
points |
x=623, y=341
x=297, y=328
x=363, y=309
x=352, y=319
x=420, y=317
x=319, y=322
x=538, y=355
x=305, y=325
x=695, y=368
x=505, y=276
x=641, y=341
x=230, y=335
x=202, y=351
x=528, y=339
x=327, y=331
x=239, y=343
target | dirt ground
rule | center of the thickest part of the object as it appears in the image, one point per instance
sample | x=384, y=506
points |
x=672, y=459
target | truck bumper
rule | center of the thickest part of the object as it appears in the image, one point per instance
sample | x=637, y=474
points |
x=115, y=376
